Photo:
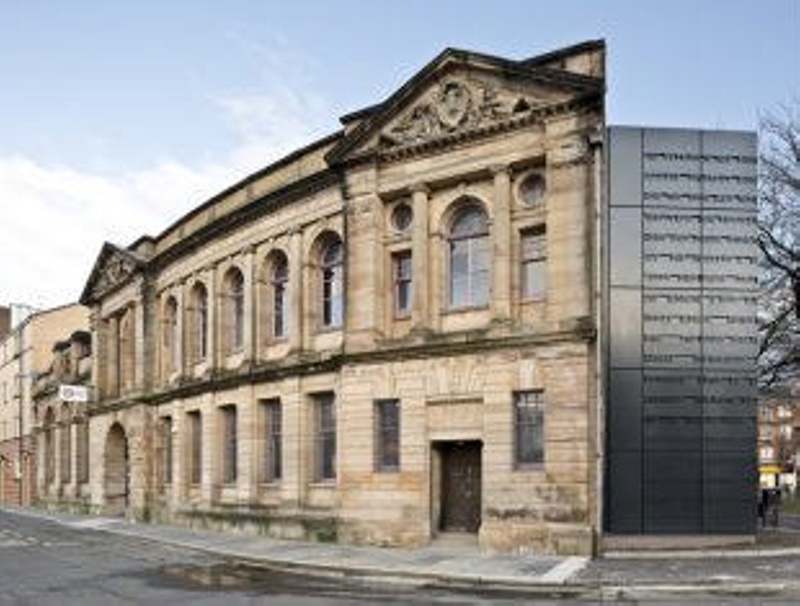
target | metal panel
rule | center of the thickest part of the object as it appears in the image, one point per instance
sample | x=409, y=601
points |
x=625, y=411
x=625, y=316
x=625, y=246
x=682, y=333
x=624, y=493
x=624, y=158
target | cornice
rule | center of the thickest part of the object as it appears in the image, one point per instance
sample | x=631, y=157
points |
x=312, y=364
x=246, y=214
x=536, y=116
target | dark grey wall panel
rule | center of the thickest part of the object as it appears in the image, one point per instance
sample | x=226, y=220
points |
x=682, y=337
x=624, y=493
x=625, y=318
x=626, y=247
x=626, y=412
x=625, y=163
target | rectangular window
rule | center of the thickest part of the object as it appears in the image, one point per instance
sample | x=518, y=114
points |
x=387, y=435
x=165, y=443
x=272, y=465
x=82, y=451
x=528, y=428
x=229, y=444
x=534, y=263
x=65, y=439
x=194, y=430
x=324, y=437
x=401, y=271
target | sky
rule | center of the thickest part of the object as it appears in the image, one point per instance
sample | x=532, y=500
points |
x=117, y=118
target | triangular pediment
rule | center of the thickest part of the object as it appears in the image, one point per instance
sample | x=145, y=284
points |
x=457, y=95
x=113, y=268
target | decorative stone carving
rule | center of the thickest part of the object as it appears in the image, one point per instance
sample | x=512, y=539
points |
x=451, y=107
x=115, y=270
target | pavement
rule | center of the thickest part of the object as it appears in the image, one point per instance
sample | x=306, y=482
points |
x=768, y=568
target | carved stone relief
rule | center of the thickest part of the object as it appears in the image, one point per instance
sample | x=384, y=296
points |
x=115, y=270
x=451, y=107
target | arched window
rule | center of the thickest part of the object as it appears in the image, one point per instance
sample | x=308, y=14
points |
x=279, y=295
x=171, y=337
x=332, y=278
x=233, y=309
x=199, y=322
x=468, y=248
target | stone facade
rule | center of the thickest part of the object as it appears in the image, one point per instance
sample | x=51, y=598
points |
x=386, y=335
x=25, y=355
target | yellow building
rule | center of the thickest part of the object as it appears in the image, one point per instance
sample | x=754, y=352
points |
x=25, y=354
x=385, y=336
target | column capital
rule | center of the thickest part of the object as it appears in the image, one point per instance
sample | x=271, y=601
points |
x=500, y=169
x=419, y=187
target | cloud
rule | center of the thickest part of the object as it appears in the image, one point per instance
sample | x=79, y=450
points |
x=56, y=217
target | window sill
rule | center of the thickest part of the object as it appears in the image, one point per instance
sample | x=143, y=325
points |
x=533, y=300
x=326, y=330
x=528, y=467
x=465, y=309
x=324, y=484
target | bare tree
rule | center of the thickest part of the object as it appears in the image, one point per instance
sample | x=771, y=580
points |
x=779, y=241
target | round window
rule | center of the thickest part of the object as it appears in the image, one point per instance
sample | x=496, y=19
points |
x=402, y=216
x=531, y=190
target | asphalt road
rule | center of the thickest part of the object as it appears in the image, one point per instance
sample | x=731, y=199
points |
x=44, y=562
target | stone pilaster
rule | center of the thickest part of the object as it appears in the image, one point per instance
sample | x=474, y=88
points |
x=296, y=280
x=420, y=308
x=501, y=244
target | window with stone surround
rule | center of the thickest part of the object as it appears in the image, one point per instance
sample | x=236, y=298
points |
x=387, y=435
x=229, y=443
x=272, y=455
x=324, y=437
x=533, y=255
x=332, y=284
x=233, y=310
x=170, y=336
x=65, y=445
x=528, y=428
x=469, y=257
x=194, y=434
x=82, y=450
x=401, y=276
x=279, y=295
x=532, y=189
x=165, y=449
x=198, y=325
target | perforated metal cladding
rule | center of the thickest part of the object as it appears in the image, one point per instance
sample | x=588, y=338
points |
x=680, y=304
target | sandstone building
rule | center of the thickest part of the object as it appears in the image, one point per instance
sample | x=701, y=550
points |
x=384, y=336
x=25, y=354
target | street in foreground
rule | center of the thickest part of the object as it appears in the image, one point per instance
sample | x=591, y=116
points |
x=44, y=561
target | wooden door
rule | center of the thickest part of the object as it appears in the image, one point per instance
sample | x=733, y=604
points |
x=461, y=486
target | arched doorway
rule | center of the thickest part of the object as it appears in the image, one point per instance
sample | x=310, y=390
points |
x=116, y=482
